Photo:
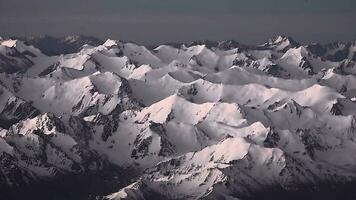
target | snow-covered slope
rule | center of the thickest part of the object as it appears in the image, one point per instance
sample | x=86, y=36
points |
x=208, y=120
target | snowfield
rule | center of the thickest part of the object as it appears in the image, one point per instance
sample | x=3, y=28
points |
x=197, y=121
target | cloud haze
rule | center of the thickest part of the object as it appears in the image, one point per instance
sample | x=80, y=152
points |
x=154, y=21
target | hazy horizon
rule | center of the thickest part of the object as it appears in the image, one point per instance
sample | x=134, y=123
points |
x=159, y=21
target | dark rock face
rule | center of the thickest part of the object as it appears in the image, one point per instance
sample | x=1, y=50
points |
x=335, y=52
x=14, y=61
x=15, y=109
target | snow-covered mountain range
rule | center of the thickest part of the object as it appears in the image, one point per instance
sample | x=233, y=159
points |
x=206, y=120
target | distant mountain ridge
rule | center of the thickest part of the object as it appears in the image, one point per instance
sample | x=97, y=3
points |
x=52, y=46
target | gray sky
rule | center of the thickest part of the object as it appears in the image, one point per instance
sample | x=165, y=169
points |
x=157, y=21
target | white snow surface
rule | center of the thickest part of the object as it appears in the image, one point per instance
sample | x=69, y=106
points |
x=194, y=121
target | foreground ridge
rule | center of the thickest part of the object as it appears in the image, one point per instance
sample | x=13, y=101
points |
x=206, y=120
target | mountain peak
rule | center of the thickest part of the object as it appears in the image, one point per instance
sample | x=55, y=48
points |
x=282, y=38
x=9, y=43
x=110, y=43
x=282, y=43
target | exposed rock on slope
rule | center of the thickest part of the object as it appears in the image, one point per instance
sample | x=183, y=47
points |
x=208, y=120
